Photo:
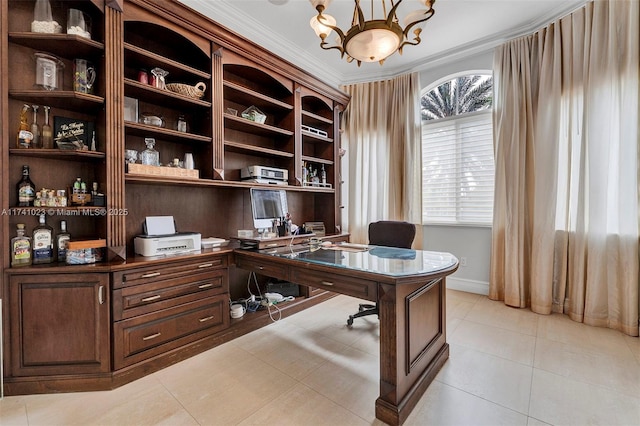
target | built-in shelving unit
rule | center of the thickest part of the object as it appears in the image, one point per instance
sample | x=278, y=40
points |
x=114, y=335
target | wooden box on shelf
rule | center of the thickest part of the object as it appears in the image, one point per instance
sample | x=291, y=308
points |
x=144, y=169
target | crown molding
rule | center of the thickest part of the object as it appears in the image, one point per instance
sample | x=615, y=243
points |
x=229, y=16
x=226, y=14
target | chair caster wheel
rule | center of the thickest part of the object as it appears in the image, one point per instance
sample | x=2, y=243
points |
x=350, y=321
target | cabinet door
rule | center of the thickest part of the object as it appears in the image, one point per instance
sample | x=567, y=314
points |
x=59, y=324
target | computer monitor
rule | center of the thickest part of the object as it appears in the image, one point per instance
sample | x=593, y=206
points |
x=267, y=205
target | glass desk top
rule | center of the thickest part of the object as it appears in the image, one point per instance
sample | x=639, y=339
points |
x=375, y=259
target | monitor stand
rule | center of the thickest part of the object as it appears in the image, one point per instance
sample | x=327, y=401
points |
x=265, y=243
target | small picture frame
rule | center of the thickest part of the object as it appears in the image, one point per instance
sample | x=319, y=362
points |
x=130, y=109
x=71, y=133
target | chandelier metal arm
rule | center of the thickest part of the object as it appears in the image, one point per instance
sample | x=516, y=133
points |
x=323, y=43
x=392, y=13
x=428, y=16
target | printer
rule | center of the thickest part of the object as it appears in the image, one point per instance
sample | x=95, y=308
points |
x=160, y=238
x=264, y=174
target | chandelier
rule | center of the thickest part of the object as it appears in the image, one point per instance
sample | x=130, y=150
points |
x=371, y=40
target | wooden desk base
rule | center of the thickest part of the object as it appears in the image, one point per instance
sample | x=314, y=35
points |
x=413, y=347
x=412, y=312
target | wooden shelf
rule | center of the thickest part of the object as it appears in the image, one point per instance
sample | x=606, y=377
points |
x=64, y=99
x=139, y=57
x=158, y=180
x=139, y=129
x=316, y=118
x=239, y=94
x=315, y=138
x=242, y=147
x=62, y=154
x=64, y=45
x=242, y=124
x=152, y=94
x=316, y=160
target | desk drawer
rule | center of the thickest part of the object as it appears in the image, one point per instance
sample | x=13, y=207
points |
x=262, y=267
x=145, y=298
x=167, y=271
x=145, y=336
x=342, y=284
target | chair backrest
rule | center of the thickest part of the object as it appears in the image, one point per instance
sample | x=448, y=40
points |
x=392, y=233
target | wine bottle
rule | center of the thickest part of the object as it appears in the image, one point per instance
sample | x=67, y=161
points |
x=26, y=189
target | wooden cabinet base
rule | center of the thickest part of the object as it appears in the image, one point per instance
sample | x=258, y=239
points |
x=117, y=378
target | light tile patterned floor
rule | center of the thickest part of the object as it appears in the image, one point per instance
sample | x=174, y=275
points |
x=507, y=367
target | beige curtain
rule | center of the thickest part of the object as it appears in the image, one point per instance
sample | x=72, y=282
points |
x=565, y=232
x=382, y=136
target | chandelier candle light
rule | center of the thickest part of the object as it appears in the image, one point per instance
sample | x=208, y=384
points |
x=373, y=40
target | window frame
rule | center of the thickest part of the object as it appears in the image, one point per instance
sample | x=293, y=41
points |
x=470, y=115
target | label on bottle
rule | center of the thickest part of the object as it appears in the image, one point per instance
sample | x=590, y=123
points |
x=21, y=250
x=42, y=245
x=63, y=244
x=25, y=138
x=26, y=194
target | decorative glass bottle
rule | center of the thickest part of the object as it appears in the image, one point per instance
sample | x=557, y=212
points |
x=150, y=156
x=25, y=137
x=35, y=129
x=20, y=248
x=26, y=189
x=42, y=242
x=47, y=132
x=62, y=242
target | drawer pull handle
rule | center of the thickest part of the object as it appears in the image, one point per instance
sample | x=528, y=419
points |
x=150, y=298
x=206, y=319
x=326, y=283
x=149, y=275
x=205, y=265
x=261, y=267
x=101, y=295
x=272, y=245
x=205, y=285
x=152, y=336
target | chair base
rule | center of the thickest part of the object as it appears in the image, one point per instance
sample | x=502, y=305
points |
x=363, y=310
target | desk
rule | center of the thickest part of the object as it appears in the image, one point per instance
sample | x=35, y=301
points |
x=409, y=286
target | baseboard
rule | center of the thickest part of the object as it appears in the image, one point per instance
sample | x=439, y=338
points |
x=470, y=286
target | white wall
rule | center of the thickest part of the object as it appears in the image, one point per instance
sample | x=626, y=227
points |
x=471, y=243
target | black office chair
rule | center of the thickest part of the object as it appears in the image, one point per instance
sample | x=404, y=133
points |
x=387, y=233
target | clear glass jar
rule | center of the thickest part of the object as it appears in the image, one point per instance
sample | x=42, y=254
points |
x=181, y=126
x=150, y=156
x=43, y=20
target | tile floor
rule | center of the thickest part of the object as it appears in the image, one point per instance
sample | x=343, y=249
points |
x=507, y=367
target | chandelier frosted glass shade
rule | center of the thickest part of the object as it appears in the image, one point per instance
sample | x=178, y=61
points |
x=371, y=40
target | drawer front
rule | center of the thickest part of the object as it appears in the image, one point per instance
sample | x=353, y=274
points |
x=146, y=298
x=270, y=269
x=163, y=272
x=145, y=336
x=343, y=284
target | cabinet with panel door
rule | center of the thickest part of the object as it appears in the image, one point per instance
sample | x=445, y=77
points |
x=60, y=325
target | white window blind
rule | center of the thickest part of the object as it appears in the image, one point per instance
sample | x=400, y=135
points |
x=458, y=170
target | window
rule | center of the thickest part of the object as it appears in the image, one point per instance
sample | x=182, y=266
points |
x=457, y=152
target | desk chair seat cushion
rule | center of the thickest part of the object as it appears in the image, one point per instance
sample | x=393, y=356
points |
x=387, y=233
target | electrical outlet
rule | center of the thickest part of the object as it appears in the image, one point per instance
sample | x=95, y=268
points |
x=463, y=261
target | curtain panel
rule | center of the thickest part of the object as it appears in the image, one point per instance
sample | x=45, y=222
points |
x=565, y=231
x=382, y=133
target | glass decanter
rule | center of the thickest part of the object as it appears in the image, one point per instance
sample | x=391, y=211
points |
x=150, y=156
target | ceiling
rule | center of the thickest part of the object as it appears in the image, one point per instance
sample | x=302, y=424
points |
x=459, y=28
